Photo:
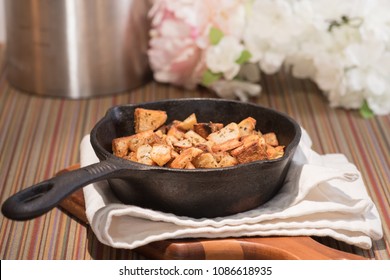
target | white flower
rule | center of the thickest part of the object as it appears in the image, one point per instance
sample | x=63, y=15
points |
x=339, y=97
x=222, y=57
x=367, y=72
x=270, y=33
x=376, y=19
x=227, y=15
x=370, y=74
x=236, y=89
x=380, y=104
x=329, y=71
x=344, y=50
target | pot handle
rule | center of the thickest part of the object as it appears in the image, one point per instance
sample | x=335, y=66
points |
x=42, y=197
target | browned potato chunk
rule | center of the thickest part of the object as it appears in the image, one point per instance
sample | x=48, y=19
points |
x=183, y=143
x=219, y=155
x=189, y=166
x=251, y=138
x=171, y=140
x=227, y=160
x=139, y=139
x=120, y=147
x=270, y=139
x=251, y=150
x=143, y=154
x=131, y=156
x=247, y=126
x=226, y=146
x=194, y=137
x=204, y=129
x=206, y=146
x=275, y=152
x=161, y=154
x=229, y=132
x=146, y=119
x=185, y=157
x=176, y=132
x=174, y=154
x=205, y=160
x=188, y=123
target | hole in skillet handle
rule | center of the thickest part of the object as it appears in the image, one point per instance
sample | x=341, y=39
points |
x=21, y=206
x=41, y=190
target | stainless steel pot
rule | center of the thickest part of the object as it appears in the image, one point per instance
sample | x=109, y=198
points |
x=77, y=48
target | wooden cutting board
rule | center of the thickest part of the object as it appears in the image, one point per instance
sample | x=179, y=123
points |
x=270, y=248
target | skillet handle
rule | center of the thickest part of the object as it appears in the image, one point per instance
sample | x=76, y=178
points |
x=42, y=197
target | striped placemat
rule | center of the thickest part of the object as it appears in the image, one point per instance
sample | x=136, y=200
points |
x=40, y=136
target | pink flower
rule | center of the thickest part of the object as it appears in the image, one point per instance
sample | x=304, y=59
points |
x=175, y=54
x=179, y=36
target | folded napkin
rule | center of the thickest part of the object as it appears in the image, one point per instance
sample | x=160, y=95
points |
x=323, y=195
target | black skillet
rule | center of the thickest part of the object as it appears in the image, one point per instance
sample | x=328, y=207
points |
x=195, y=193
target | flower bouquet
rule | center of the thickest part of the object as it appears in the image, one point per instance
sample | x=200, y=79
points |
x=343, y=46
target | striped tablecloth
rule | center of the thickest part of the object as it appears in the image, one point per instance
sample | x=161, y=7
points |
x=40, y=136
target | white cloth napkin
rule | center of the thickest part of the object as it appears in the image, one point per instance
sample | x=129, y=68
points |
x=323, y=195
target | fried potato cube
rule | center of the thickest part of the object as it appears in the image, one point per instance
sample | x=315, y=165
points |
x=143, y=154
x=274, y=152
x=227, y=160
x=205, y=160
x=251, y=138
x=185, y=157
x=206, y=146
x=139, y=139
x=194, y=137
x=183, y=143
x=162, y=129
x=252, y=149
x=188, y=123
x=257, y=132
x=231, y=131
x=120, y=146
x=189, y=166
x=219, y=155
x=175, y=131
x=161, y=154
x=146, y=119
x=271, y=139
x=226, y=146
x=159, y=134
x=174, y=154
x=170, y=140
x=205, y=129
x=247, y=126
x=131, y=156
x=223, y=158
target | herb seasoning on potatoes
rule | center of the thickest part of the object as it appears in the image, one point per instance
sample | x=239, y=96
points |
x=187, y=144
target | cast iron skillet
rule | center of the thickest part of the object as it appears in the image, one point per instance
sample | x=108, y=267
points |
x=195, y=193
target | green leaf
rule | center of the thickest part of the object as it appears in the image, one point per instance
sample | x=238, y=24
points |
x=244, y=57
x=210, y=77
x=215, y=35
x=365, y=111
